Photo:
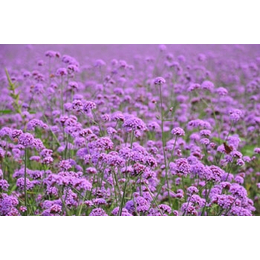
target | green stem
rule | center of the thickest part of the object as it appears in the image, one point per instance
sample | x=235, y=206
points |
x=123, y=198
x=62, y=97
x=163, y=143
x=81, y=206
x=25, y=176
x=127, y=180
x=117, y=185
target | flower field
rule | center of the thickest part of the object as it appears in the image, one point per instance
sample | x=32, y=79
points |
x=129, y=130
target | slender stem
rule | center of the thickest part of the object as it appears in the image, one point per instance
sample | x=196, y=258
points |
x=154, y=201
x=25, y=176
x=62, y=96
x=127, y=180
x=163, y=143
x=172, y=155
x=226, y=140
x=132, y=137
x=123, y=198
x=184, y=213
x=81, y=206
x=227, y=211
x=117, y=185
x=206, y=200
x=64, y=203
x=45, y=118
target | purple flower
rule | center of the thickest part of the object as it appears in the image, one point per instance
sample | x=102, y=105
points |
x=189, y=209
x=178, y=131
x=199, y=123
x=37, y=144
x=16, y=133
x=26, y=140
x=104, y=143
x=124, y=212
x=217, y=173
x=204, y=141
x=61, y=72
x=65, y=165
x=46, y=152
x=257, y=150
x=165, y=208
x=235, y=115
x=98, y=212
x=99, y=201
x=77, y=105
x=4, y=185
x=221, y=91
x=88, y=106
x=182, y=166
x=240, y=162
x=55, y=209
x=20, y=184
x=239, y=179
x=134, y=123
x=142, y=205
x=117, y=116
x=208, y=85
x=193, y=86
x=8, y=205
x=238, y=191
x=191, y=190
x=159, y=81
x=47, y=160
x=72, y=84
x=154, y=126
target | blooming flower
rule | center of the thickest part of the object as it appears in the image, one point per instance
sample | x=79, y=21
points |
x=98, y=212
x=159, y=81
x=178, y=131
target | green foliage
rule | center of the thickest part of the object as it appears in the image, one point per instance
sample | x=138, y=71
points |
x=218, y=140
x=7, y=111
x=248, y=150
x=15, y=96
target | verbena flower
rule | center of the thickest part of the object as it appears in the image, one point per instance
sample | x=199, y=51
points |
x=159, y=81
x=26, y=140
x=98, y=212
x=178, y=131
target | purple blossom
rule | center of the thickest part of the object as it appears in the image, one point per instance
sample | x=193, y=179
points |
x=98, y=212
x=4, y=185
x=26, y=140
x=134, y=123
x=182, y=166
x=178, y=131
x=159, y=81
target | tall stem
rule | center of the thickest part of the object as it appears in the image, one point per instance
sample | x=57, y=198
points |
x=163, y=143
x=123, y=198
x=62, y=96
x=230, y=129
x=127, y=180
x=25, y=176
x=81, y=206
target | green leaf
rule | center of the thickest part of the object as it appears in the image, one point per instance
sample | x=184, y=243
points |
x=218, y=140
x=9, y=79
x=13, y=188
x=6, y=111
x=248, y=150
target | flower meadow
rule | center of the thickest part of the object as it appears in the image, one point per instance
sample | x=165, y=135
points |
x=130, y=130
